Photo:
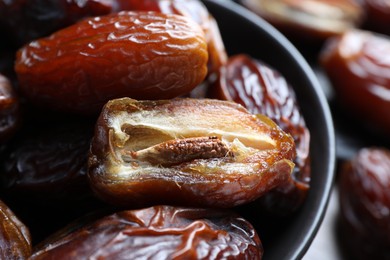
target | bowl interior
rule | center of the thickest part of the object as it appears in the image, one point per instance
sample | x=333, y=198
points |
x=244, y=32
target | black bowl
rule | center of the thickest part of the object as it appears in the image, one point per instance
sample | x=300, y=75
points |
x=245, y=32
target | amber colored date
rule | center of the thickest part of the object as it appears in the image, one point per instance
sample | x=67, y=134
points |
x=143, y=55
x=357, y=66
x=195, y=10
x=23, y=21
x=10, y=115
x=15, y=240
x=261, y=89
x=161, y=232
x=365, y=202
x=192, y=152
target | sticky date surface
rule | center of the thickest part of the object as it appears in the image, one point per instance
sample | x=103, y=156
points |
x=10, y=115
x=161, y=232
x=186, y=151
x=261, y=89
x=142, y=55
x=195, y=10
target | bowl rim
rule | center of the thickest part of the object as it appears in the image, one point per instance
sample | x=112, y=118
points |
x=329, y=153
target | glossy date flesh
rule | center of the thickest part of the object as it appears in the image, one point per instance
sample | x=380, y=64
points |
x=160, y=232
x=143, y=55
x=189, y=152
x=261, y=89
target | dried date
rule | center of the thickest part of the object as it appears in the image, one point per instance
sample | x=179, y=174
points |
x=161, y=232
x=357, y=66
x=261, y=89
x=23, y=21
x=48, y=163
x=192, y=152
x=143, y=55
x=365, y=202
x=15, y=240
x=193, y=9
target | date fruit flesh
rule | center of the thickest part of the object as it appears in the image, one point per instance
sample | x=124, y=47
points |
x=194, y=9
x=365, y=204
x=359, y=70
x=261, y=89
x=15, y=240
x=142, y=55
x=160, y=232
x=191, y=152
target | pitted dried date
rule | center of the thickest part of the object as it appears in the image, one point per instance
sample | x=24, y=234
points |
x=365, y=202
x=357, y=63
x=15, y=240
x=23, y=21
x=10, y=115
x=199, y=152
x=261, y=89
x=193, y=9
x=161, y=232
x=143, y=55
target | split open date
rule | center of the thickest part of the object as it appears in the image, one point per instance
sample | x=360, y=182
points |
x=192, y=152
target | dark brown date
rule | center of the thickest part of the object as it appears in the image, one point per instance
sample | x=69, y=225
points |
x=365, y=204
x=161, y=232
x=48, y=163
x=15, y=240
x=194, y=9
x=143, y=55
x=10, y=115
x=309, y=20
x=357, y=66
x=191, y=152
x=23, y=21
x=263, y=90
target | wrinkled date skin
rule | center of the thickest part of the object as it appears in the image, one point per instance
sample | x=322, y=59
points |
x=142, y=55
x=261, y=89
x=48, y=164
x=15, y=240
x=191, y=152
x=194, y=9
x=358, y=68
x=309, y=20
x=365, y=202
x=10, y=115
x=161, y=232
x=23, y=21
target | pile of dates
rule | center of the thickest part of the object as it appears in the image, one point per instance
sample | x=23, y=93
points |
x=348, y=43
x=128, y=132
